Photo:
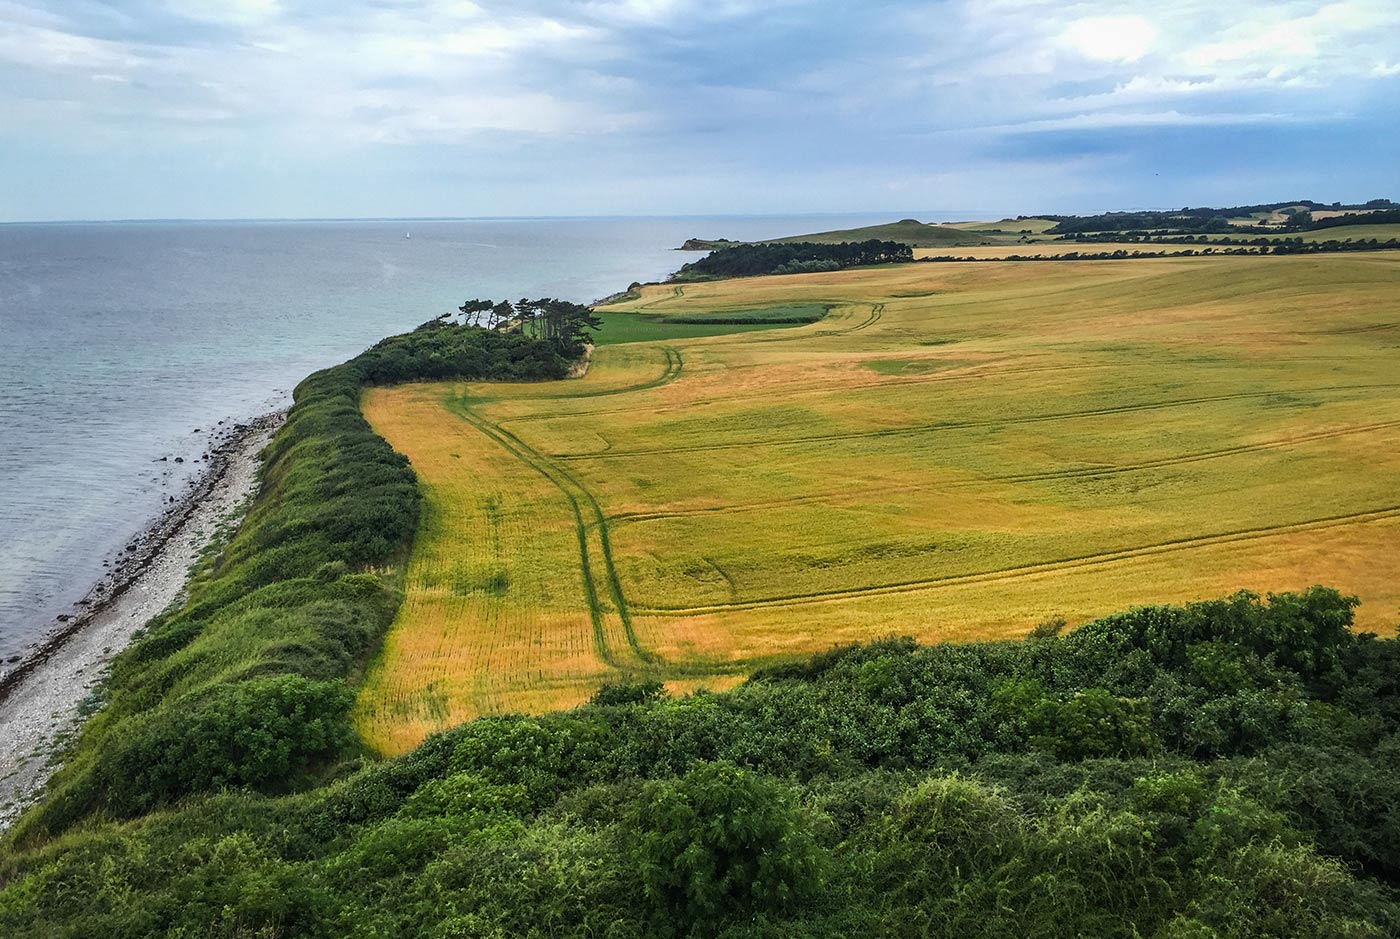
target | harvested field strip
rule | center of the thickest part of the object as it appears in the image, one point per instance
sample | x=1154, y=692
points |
x=963, y=425
x=1062, y=564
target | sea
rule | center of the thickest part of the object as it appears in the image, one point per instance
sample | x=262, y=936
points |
x=122, y=343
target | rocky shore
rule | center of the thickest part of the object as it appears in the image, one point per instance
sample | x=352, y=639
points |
x=42, y=695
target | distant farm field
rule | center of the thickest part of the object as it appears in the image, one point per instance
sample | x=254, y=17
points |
x=1352, y=233
x=955, y=451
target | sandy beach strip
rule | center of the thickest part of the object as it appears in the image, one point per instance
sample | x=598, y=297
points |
x=41, y=696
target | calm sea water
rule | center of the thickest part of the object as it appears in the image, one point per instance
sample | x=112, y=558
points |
x=124, y=342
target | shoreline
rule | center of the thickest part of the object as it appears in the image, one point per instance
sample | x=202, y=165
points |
x=42, y=695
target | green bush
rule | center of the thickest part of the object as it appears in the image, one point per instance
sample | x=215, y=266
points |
x=256, y=734
x=720, y=843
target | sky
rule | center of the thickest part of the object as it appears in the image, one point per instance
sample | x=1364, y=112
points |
x=969, y=108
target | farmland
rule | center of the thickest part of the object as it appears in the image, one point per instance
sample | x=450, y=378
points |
x=955, y=451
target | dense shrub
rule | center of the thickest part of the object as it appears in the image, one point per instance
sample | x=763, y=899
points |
x=1049, y=788
x=254, y=733
x=465, y=352
x=721, y=842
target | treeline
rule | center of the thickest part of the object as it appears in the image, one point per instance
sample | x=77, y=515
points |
x=1207, y=219
x=1138, y=221
x=1288, y=241
x=1221, y=769
x=1225, y=246
x=1390, y=217
x=748, y=260
x=244, y=685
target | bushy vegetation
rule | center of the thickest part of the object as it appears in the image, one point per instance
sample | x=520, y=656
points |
x=748, y=260
x=243, y=686
x=1218, y=769
x=441, y=350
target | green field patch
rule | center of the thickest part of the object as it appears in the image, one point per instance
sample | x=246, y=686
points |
x=640, y=327
x=906, y=366
x=791, y=314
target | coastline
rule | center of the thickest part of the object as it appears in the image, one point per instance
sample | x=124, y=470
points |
x=42, y=695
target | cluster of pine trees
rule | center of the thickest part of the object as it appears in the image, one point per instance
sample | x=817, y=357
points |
x=561, y=322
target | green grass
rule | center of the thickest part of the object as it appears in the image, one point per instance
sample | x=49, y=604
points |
x=905, y=366
x=640, y=327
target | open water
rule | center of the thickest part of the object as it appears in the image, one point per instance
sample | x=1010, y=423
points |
x=121, y=343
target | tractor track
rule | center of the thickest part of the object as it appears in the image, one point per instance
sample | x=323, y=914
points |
x=1040, y=567
x=1047, y=475
x=963, y=425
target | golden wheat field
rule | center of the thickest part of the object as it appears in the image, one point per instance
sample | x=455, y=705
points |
x=956, y=451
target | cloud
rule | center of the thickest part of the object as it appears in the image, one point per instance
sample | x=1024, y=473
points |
x=1111, y=38
x=230, y=12
x=46, y=49
x=632, y=87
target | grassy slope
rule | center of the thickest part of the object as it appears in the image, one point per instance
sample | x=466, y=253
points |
x=1005, y=225
x=1353, y=233
x=907, y=231
x=957, y=451
x=245, y=684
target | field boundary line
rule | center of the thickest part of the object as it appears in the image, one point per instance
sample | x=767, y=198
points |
x=1041, y=567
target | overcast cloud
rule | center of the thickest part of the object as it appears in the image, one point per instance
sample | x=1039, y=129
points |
x=255, y=108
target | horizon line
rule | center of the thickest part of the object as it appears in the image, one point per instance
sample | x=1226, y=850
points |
x=154, y=220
